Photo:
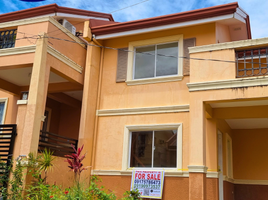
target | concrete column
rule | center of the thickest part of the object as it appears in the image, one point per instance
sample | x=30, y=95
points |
x=36, y=99
x=20, y=126
x=197, y=161
x=89, y=106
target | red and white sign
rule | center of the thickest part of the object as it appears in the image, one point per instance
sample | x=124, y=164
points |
x=149, y=183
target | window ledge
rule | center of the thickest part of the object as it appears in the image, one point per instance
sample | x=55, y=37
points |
x=154, y=80
x=128, y=172
x=168, y=173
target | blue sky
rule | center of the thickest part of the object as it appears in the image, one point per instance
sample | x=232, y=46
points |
x=257, y=10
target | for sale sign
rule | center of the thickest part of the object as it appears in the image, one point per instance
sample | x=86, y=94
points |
x=149, y=183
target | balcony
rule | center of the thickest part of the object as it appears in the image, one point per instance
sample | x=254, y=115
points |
x=252, y=62
x=8, y=38
x=58, y=144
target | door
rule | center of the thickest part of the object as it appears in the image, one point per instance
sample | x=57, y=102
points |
x=220, y=165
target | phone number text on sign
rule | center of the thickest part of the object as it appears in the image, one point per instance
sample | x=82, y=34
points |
x=149, y=183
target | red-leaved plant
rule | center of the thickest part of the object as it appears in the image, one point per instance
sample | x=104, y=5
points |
x=75, y=162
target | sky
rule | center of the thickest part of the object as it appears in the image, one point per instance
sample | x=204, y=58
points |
x=257, y=10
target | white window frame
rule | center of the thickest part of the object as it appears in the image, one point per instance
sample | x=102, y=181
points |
x=5, y=100
x=156, y=41
x=155, y=127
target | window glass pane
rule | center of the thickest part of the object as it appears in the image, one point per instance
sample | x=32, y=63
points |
x=141, y=149
x=144, y=63
x=167, y=65
x=2, y=105
x=165, y=151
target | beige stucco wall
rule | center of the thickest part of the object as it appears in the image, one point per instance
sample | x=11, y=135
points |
x=222, y=33
x=207, y=70
x=13, y=60
x=109, y=147
x=31, y=31
x=119, y=95
x=69, y=48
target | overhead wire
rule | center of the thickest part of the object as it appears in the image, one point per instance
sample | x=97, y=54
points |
x=129, y=6
x=145, y=53
x=158, y=54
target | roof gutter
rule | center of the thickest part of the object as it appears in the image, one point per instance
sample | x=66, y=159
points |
x=165, y=27
x=195, y=15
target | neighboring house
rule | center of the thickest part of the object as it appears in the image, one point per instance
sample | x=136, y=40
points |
x=133, y=97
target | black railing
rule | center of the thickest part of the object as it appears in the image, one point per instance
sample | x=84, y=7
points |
x=7, y=38
x=252, y=62
x=58, y=144
x=8, y=133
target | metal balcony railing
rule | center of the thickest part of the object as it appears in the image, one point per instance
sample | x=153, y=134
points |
x=252, y=62
x=8, y=133
x=58, y=144
x=7, y=38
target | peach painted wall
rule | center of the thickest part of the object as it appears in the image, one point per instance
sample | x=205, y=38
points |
x=30, y=30
x=11, y=111
x=69, y=121
x=55, y=115
x=119, y=95
x=204, y=34
x=64, y=120
x=78, y=25
x=250, y=151
x=222, y=33
x=206, y=70
x=110, y=136
x=212, y=189
x=72, y=50
x=211, y=145
x=64, y=70
x=196, y=123
x=61, y=174
x=174, y=188
x=7, y=61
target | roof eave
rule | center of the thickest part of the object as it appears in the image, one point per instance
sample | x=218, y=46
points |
x=49, y=9
x=168, y=19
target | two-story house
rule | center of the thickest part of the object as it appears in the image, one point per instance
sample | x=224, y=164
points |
x=184, y=93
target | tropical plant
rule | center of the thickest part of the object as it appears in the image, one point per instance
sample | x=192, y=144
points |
x=75, y=162
x=132, y=195
x=46, y=162
x=4, y=170
x=16, y=182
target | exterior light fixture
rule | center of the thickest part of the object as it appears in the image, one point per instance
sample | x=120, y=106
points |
x=24, y=95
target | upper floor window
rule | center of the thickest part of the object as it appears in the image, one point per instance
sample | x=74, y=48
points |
x=155, y=60
x=7, y=38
